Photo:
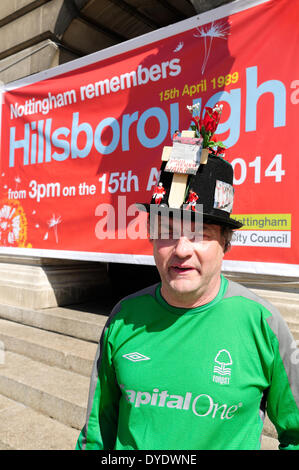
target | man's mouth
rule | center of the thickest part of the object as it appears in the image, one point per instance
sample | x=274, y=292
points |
x=181, y=269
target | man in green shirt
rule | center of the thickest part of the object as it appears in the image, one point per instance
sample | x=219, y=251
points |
x=194, y=361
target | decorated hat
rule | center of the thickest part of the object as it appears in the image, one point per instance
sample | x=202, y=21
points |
x=194, y=175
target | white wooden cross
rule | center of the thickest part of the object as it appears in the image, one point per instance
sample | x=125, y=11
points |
x=179, y=180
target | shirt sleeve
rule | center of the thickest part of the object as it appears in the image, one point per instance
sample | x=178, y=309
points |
x=100, y=429
x=283, y=393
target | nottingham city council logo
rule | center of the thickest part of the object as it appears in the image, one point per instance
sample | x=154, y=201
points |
x=221, y=370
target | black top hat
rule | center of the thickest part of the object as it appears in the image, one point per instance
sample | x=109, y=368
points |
x=210, y=184
x=193, y=176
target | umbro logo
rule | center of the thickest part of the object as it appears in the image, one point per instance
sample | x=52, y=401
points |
x=136, y=357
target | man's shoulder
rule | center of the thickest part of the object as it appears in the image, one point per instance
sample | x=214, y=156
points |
x=122, y=307
x=272, y=315
x=138, y=295
x=236, y=289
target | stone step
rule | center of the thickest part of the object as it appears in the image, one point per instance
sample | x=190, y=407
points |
x=57, y=393
x=289, y=312
x=50, y=348
x=288, y=305
x=269, y=443
x=269, y=429
x=22, y=428
x=48, y=359
x=294, y=328
x=86, y=321
x=48, y=405
x=286, y=302
x=70, y=321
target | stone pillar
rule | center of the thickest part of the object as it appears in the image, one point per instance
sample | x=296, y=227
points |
x=29, y=44
x=36, y=283
x=27, y=41
x=33, y=59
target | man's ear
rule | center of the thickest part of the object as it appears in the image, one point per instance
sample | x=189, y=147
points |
x=227, y=247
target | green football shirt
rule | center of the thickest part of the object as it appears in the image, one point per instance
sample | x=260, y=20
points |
x=174, y=378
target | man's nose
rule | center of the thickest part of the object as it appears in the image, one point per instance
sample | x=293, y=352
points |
x=183, y=247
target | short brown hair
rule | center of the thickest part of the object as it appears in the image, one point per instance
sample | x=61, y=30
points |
x=226, y=233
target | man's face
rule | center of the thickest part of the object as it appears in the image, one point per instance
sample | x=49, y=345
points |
x=189, y=267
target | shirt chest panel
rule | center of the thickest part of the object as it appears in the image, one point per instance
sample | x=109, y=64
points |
x=188, y=356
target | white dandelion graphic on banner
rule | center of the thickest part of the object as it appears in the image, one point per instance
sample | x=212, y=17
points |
x=179, y=47
x=208, y=33
x=17, y=181
x=53, y=223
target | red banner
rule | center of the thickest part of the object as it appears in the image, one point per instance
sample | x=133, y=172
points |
x=81, y=143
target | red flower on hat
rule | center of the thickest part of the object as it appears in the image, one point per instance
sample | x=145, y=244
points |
x=211, y=120
x=206, y=126
x=197, y=121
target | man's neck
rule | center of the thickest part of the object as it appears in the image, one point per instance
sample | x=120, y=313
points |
x=192, y=299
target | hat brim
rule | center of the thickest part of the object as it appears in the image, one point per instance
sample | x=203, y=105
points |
x=207, y=218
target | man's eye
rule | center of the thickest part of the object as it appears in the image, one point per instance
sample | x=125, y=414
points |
x=206, y=236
